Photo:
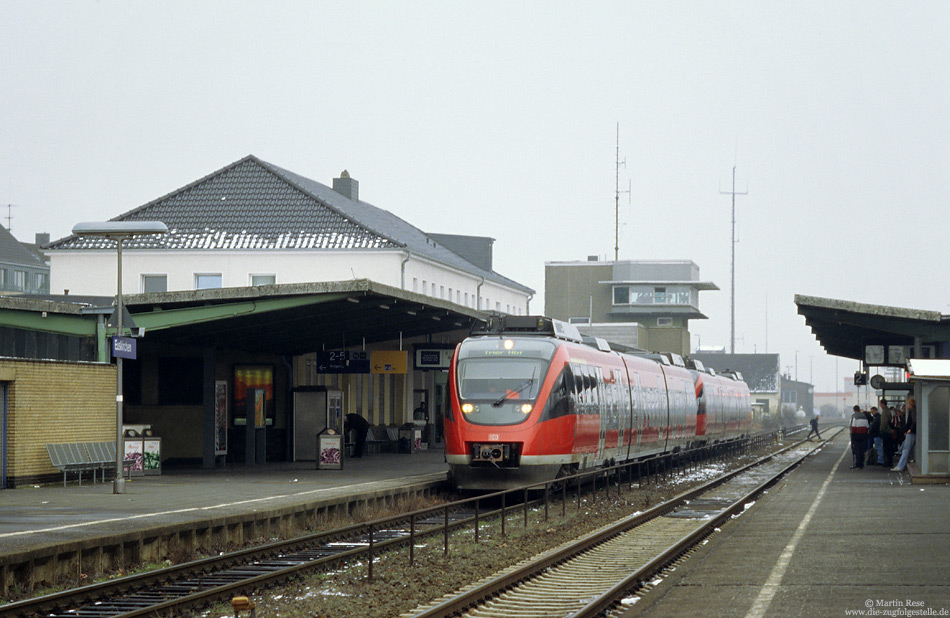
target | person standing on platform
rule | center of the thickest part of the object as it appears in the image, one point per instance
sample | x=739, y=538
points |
x=859, y=437
x=885, y=455
x=814, y=428
x=360, y=427
x=910, y=435
x=874, y=437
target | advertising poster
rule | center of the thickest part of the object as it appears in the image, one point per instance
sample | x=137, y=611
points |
x=258, y=408
x=220, y=417
x=152, y=455
x=253, y=377
x=134, y=454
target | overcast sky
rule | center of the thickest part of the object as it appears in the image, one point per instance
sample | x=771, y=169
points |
x=500, y=119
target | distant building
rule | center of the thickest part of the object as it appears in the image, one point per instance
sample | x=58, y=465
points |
x=654, y=298
x=22, y=267
x=798, y=399
x=253, y=223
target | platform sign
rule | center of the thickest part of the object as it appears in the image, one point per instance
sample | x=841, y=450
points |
x=389, y=361
x=433, y=358
x=123, y=347
x=342, y=361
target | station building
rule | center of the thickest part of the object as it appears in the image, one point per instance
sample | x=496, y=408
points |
x=642, y=303
x=23, y=269
x=266, y=282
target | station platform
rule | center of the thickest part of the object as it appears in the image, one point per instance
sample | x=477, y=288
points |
x=827, y=540
x=53, y=524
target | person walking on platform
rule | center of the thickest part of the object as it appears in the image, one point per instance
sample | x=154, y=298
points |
x=910, y=436
x=885, y=456
x=859, y=437
x=814, y=427
x=360, y=427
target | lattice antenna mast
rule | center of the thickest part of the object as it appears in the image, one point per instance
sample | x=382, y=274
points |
x=733, y=193
x=617, y=193
x=9, y=216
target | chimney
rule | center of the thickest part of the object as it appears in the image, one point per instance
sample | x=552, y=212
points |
x=347, y=187
x=42, y=239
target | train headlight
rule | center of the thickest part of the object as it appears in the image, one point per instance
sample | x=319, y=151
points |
x=526, y=408
x=467, y=407
x=509, y=344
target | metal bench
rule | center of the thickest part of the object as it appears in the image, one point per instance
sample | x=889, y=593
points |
x=70, y=457
x=81, y=457
x=102, y=457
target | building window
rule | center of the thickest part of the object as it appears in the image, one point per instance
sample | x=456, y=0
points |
x=442, y=292
x=659, y=296
x=425, y=286
x=19, y=280
x=154, y=283
x=3, y=278
x=42, y=282
x=664, y=321
x=433, y=291
x=466, y=299
x=415, y=284
x=263, y=279
x=621, y=295
x=207, y=281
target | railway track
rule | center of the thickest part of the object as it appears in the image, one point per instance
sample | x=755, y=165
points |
x=202, y=582
x=587, y=577
x=219, y=578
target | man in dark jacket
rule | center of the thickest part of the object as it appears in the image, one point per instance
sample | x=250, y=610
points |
x=360, y=427
x=886, y=456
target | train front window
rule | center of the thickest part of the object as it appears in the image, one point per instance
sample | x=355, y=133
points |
x=499, y=380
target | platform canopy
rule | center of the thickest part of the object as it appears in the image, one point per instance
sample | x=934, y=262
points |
x=295, y=318
x=845, y=328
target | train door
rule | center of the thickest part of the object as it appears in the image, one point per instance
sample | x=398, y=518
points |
x=602, y=408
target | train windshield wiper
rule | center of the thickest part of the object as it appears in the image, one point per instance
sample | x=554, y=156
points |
x=509, y=394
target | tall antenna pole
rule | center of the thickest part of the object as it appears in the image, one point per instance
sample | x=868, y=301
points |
x=733, y=193
x=9, y=216
x=617, y=193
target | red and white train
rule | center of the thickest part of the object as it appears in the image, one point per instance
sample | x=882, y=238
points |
x=531, y=400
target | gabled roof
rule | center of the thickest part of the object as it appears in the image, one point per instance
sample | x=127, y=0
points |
x=12, y=251
x=255, y=205
x=760, y=371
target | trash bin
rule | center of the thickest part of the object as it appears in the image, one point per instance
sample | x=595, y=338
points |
x=406, y=438
x=329, y=450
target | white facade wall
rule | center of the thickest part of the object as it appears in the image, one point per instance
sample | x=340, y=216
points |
x=94, y=273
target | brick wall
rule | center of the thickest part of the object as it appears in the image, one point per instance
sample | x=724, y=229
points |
x=53, y=402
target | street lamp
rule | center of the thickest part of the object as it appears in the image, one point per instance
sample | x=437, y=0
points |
x=119, y=231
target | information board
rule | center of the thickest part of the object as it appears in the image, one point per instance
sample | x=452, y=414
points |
x=342, y=361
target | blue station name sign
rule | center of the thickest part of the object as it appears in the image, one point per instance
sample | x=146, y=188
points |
x=123, y=347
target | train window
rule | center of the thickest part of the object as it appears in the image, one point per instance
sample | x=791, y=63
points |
x=562, y=399
x=493, y=378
